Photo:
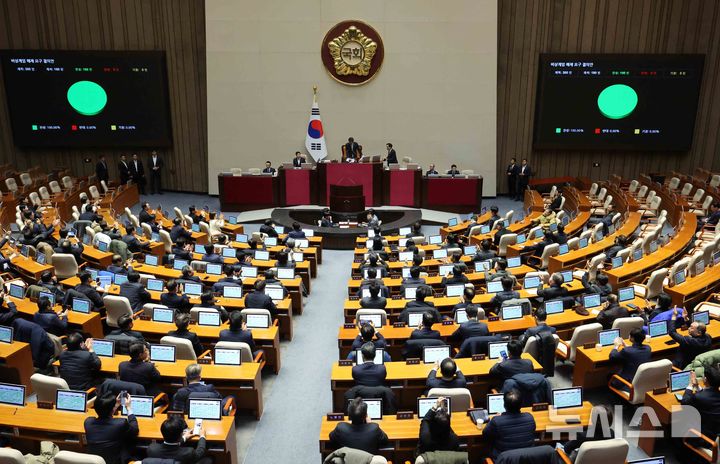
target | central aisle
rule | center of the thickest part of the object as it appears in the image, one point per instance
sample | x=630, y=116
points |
x=289, y=429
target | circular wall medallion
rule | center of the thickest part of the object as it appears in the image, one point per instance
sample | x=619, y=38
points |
x=352, y=52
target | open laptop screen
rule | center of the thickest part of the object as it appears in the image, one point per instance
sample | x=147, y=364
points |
x=567, y=397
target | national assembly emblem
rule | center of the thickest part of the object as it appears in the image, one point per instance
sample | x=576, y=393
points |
x=352, y=52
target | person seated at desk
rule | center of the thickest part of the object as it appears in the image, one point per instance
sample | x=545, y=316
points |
x=173, y=300
x=706, y=401
x=457, y=277
x=415, y=231
x=210, y=256
x=352, y=151
x=599, y=428
x=456, y=260
x=453, y=171
x=621, y=242
x=124, y=336
x=630, y=357
x=140, y=369
x=326, y=220
x=485, y=252
x=467, y=297
x=712, y=218
x=372, y=277
x=268, y=228
x=207, y=300
x=374, y=301
x=359, y=434
x=453, y=240
x=368, y=334
x=546, y=219
x=182, y=321
x=67, y=247
x=177, y=232
x=79, y=365
x=512, y=429
x=413, y=281
x=111, y=437
x=696, y=342
x=368, y=373
x=90, y=214
x=555, y=290
x=600, y=286
x=118, y=266
x=431, y=171
x=610, y=311
x=371, y=219
x=196, y=216
x=187, y=274
x=606, y=220
x=541, y=326
x=425, y=330
x=494, y=216
x=173, y=447
x=89, y=291
x=296, y=231
x=283, y=260
x=514, y=364
x=556, y=201
x=195, y=384
x=50, y=283
x=145, y=217
x=436, y=434
x=8, y=310
x=500, y=271
x=500, y=230
x=183, y=249
x=374, y=262
x=472, y=327
x=133, y=244
x=48, y=319
x=5, y=261
x=507, y=294
x=113, y=233
x=450, y=376
x=536, y=250
x=238, y=332
x=268, y=169
x=134, y=291
x=419, y=305
x=258, y=299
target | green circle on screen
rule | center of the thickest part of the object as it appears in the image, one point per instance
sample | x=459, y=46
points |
x=87, y=98
x=617, y=101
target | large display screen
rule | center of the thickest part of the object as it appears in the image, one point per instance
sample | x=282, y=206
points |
x=87, y=98
x=628, y=102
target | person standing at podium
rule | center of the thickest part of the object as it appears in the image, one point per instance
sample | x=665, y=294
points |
x=352, y=151
x=391, y=156
x=512, y=172
x=524, y=174
x=298, y=160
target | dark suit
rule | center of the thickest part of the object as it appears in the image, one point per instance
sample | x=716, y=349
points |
x=431, y=172
x=297, y=162
x=500, y=233
x=351, y=150
x=124, y=169
x=500, y=297
x=51, y=322
x=261, y=300
x=181, y=454
x=137, y=173
x=379, y=302
x=512, y=171
x=532, y=331
x=79, y=368
x=366, y=437
x=144, y=373
x=213, y=258
x=133, y=244
x=136, y=294
x=425, y=333
x=434, y=382
x=510, y=431
x=707, y=402
x=178, y=231
x=392, y=157
x=147, y=218
x=506, y=369
x=242, y=336
x=101, y=171
x=179, y=302
x=419, y=307
x=469, y=329
x=430, y=441
x=689, y=346
x=631, y=358
x=179, y=402
x=155, y=173
x=187, y=335
x=91, y=295
x=553, y=292
x=268, y=170
x=369, y=374
x=607, y=316
x=524, y=174
x=108, y=438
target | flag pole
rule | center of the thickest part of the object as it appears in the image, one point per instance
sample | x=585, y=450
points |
x=314, y=93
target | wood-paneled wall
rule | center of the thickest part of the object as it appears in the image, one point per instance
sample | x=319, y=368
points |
x=530, y=27
x=175, y=26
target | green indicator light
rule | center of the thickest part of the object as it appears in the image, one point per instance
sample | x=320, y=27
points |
x=34, y=127
x=617, y=101
x=558, y=130
x=87, y=98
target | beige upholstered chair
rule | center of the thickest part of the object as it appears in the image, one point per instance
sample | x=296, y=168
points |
x=650, y=375
x=65, y=265
x=460, y=398
x=372, y=312
x=70, y=457
x=45, y=386
x=183, y=347
x=581, y=335
x=600, y=452
x=626, y=324
x=11, y=456
x=116, y=306
x=246, y=355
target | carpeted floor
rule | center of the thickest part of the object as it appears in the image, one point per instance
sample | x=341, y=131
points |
x=297, y=399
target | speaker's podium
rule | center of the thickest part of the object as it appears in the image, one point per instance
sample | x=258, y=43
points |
x=366, y=177
x=347, y=198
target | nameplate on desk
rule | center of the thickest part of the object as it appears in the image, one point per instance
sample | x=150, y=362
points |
x=432, y=274
x=204, y=360
x=345, y=362
x=399, y=324
x=353, y=298
x=356, y=277
x=393, y=259
x=358, y=260
x=448, y=322
x=478, y=357
x=540, y=407
x=348, y=325
x=397, y=297
x=588, y=346
x=659, y=391
x=493, y=318
x=405, y=415
x=410, y=361
x=145, y=317
x=438, y=295
x=335, y=417
x=45, y=404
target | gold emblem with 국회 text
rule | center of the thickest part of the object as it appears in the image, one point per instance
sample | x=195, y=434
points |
x=352, y=52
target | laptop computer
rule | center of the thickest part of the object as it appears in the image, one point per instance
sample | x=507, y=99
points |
x=257, y=321
x=426, y=404
x=232, y=291
x=81, y=306
x=658, y=328
x=554, y=307
x=142, y=406
x=12, y=394
x=508, y=313
x=104, y=348
x=208, y=318
x=607, y=337
x=6, y=334
x=495, y=349
x=205, y=409
x=433, y=354
x=162, y=353
x=70, y=400
x=227, y=357
x=571, y=397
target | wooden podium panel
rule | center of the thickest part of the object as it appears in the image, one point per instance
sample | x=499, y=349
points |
x=298, y=186
x=369, y=175
x=402, y=187
x=247, y=192
x=347, y=198
x=462, y=194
